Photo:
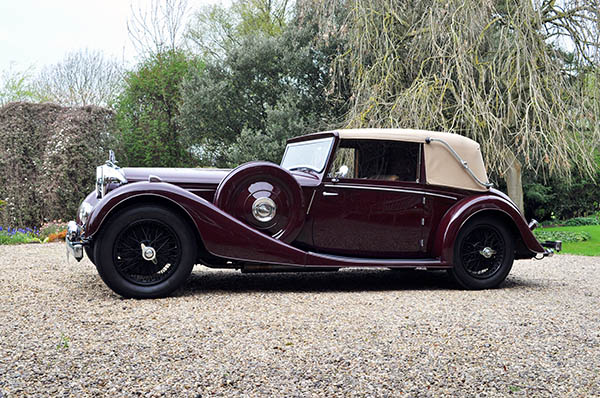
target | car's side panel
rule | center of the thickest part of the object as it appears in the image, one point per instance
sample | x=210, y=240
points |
x=222, y=235
x=368, y=219
x=461, y=212
x=225, y=236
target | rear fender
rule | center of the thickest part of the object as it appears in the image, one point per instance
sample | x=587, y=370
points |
x=221, y=234
x=470, y=207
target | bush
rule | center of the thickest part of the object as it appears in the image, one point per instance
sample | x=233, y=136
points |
x=13, y=236
x=147, y=111
x=564, y=236
x=48, y=155
x=561, y=199
x=578, y=221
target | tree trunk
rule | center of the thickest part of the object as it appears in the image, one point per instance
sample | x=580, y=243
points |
x=513, y=183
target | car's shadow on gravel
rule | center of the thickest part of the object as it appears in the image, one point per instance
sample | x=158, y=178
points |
x=351, y=280
x=341, y=281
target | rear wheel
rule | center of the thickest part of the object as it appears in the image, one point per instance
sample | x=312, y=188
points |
x=145, y=252
x=483, y=254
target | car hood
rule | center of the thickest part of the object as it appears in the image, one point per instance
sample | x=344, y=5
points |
x=187, y=177
x=176, y=175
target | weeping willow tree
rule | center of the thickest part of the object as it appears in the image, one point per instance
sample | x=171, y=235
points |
x=518, y=76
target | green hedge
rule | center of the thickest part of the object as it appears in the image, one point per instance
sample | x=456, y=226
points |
x=48, y=155
x=564, y=236
x=578, y=221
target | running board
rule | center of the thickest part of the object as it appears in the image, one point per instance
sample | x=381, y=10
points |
x=328, y=260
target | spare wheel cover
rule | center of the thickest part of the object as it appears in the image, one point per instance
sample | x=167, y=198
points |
x=264, y=196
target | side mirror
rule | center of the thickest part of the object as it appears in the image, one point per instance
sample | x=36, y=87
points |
x=342, y=172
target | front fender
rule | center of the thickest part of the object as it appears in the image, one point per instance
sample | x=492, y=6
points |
x=221, y=234
x=461, y=212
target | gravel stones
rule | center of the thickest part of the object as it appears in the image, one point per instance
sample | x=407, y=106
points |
x=352, y=333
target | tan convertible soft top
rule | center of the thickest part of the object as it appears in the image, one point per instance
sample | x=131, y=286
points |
x=442, y=168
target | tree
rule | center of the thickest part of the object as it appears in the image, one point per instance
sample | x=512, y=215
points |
x=215, y=30
x=265, y=90
x=84, y=77
x=147, y=111
x=159, y=27
x=510, y=74
x=17, y=86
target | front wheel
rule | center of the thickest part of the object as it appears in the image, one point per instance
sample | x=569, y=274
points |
x=145, y=252
x=483, y=254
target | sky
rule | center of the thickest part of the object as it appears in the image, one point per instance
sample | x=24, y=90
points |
x=34, y=33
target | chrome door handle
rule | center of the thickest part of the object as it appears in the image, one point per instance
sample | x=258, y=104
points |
x=330, y=193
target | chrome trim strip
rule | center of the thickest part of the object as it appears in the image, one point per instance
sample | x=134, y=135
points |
x=383, y=262
x=368, y=187
x=460, y=160
x=311, y=200
x=419, y=162
x=201, y=189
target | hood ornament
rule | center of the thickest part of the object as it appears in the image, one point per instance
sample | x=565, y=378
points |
x=112, y=161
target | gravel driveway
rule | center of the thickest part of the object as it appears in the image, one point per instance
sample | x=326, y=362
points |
x=352, y=333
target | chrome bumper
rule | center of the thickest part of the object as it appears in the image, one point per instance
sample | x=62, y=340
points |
x=74, y=241
x=551, y=246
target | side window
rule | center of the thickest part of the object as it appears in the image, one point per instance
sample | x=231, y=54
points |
x=345, y=156
x=378, y=160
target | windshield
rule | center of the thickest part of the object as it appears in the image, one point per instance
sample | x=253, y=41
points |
x=307, y=155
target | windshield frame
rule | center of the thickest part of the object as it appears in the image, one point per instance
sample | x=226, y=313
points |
x=326, y=159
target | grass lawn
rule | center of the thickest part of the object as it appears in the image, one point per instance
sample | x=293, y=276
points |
x=590, y=247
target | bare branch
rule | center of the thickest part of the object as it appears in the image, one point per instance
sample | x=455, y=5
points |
x=158, y=27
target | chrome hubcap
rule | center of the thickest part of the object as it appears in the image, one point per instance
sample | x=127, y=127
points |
x=264, y=209
x=148, y=253
x=487, y=252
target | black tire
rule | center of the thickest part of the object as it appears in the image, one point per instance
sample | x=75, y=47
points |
x=476, y=267
x=120, y=262
x=89, y=252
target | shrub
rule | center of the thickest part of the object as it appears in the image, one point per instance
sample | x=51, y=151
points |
x=47, y=159
x=12, y=236
x=147, y=111
x=564, y=236
x=56, y=237
x=53, y=231
x=578, y=221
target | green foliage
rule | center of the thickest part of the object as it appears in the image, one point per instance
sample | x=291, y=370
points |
x=47, y=159
x=216, y=30
x=147, y=111
x=52, y=228
x=18, y=86
x=17, y=239
x=18, y=236
x=265, y=90
x=265, y=16
x=63, y=343
x=562, y=199
x=564, y=236
x=589, y=247
x=538, y=200
x=578, y=221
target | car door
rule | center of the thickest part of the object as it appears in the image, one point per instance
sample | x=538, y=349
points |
x=376, y=208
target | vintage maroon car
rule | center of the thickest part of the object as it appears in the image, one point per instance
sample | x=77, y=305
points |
x=350, y=198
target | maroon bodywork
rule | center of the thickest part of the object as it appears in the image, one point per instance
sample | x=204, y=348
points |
x=335, y=224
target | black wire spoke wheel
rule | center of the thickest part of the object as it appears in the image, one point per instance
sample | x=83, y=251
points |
x=153, y=235
x=145, y=251
x=482, y=252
